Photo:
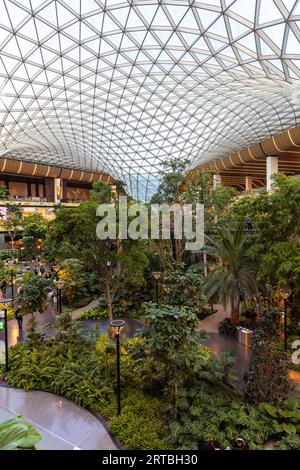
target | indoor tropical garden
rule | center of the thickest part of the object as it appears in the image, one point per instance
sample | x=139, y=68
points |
x=204, y=345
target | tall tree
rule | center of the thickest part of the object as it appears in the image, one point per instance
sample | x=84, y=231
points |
x=73, y=235
x=233, y=278
x=101, y=193
x=13, y=222
x=34, y=229
x=276, y=236
x=172, y=176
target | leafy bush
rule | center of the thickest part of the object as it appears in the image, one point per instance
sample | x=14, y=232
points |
x=250, y=314
x=207, y=417
x=82, y=300
x=123, y=306
x=128, y=308
x=289, y=442
x=185, y=288
x=227, y=328
x=174, y=361
x=16, y=434
x=143, y=413
x=95, y=313
x=33, y=296
x=267, y=376
x=285, y=418
x=84, y=371
x=175, y=393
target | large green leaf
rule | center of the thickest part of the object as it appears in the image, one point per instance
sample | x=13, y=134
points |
x=289, y=428
x=267, y=408
x=16, y=434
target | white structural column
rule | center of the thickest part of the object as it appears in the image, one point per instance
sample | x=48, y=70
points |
x=58, y=188
x=217, y=181
x=248, y=186
x=272, y=170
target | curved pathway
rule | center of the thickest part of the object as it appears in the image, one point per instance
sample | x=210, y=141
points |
x=62, y=425
x=75, y=314
x=221, y=344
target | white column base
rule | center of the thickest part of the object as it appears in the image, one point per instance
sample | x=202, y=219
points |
x=58, y=190
x=249, y=186
x=272, y=170
x=217, y=181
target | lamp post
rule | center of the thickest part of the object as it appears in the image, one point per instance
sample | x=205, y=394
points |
x=56, y=269
x=59, y=285
x=117, y=326
x=286, y=293
x=3, y=324
x=157, y=276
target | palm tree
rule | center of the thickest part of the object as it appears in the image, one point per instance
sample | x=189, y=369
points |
x=233, y=279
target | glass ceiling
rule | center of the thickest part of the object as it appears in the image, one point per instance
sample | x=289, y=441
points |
x=122, y=86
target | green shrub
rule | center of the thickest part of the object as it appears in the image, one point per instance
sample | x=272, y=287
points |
x=227, y=328
x=82, y=300
x=267, y=377
x=206, y=417
x=140, y=426
x=84, y=371
x=185, y=288
x=120, y=309
x=95, y=313
x=180, y=401
x=284, y=418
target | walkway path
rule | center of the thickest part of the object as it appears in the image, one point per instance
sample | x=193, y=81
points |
x=210, y=324
x=16, y=336
x=48, y=316
x=75, y=314
x=62, y=425
x=222, y=344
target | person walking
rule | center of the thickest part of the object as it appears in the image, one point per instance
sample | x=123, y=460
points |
x=42, y=270
x=4, y=286
x=19, y=317
x=249, y=224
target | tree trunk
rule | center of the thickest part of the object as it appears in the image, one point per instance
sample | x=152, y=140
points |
x=107, y=294
x=109, y=312
x=205, y=270
x=108, y=301
x=235, y=314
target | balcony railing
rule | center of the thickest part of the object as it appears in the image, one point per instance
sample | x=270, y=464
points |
x=23, y=199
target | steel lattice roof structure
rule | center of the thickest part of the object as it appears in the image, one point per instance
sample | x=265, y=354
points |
x=122, y=86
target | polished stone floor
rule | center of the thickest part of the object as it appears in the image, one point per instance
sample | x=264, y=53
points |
x=131, y=329
x=15, y=335
x=62, y=425
x=48, y=316
x=221, y=345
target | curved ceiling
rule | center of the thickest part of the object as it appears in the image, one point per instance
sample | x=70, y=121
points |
x=122, y=86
